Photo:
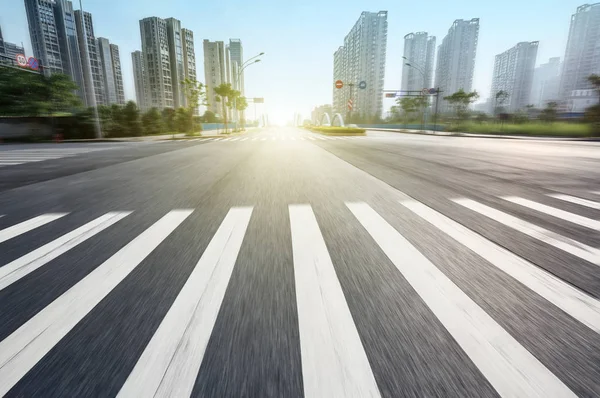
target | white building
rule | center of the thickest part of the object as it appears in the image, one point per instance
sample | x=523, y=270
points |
x=216, y=72
x=456, y=59
x=90, y=59
x=175, y=38
x=580, y=100
x=513, y=74
x=362, y=59
x=110, y=88
x=157, y=63
x=419, y=52
x=139, y=79
x=582, y=55
x=546, y=79
x=118, y=73
x=189, y=54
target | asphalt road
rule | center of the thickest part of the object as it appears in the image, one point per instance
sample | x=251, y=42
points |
x=285, y=264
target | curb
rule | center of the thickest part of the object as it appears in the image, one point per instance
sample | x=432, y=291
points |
x=495, y=136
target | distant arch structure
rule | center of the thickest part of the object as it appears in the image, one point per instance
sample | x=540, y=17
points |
x=338, y=120
x=325, y=119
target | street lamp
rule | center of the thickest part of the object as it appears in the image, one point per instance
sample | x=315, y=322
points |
x=239, y=74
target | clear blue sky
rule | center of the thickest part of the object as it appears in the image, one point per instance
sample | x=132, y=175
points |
x=299, y=38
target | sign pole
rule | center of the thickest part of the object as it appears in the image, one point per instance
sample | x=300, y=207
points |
x=435, y=116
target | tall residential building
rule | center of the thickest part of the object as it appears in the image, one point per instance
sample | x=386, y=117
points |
x=546, y=79
x=582, y=55
x=44, y=35
x=236, y=57
x=189, y=54
x=139, y=79
x=157, y=63
x=362, y=58
x=513, y=74
x=90, y=59
x=456, y=59
x=419, y=52
x=118, y=73
x=110, y=87
x=175, y=40
x=9, y=50
x=69, y=45
x=215, y=71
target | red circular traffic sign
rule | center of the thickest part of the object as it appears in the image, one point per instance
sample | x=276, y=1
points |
x=339, y=84
x=21, y=60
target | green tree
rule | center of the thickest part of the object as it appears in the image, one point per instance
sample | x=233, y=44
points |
x=408, y=106
x=592, y=114
x=501, y=97
x=130, y=119
x=549, y=113
x=595, y=80
x=210, y=117
x=225, y=95
x=183, y=121
x=460, y=101
x=241, y=104
x=195, y=93
x=152, y=122
x=168, y=116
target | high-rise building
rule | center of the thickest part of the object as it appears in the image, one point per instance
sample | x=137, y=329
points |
x=456, y=59
x=189, y=54
x=157, y=63
x=362, y=59
x=175, y=40
x=68, y=43
x=118, y=73
x=139, y=79
x=44, y=35
x=110, y=87
x=419, y=52
x=236, y=57
x=216, y=71
x=9, y=50
x=582, y=55
x=546, y=79
x=90, y=59
x=513, y=74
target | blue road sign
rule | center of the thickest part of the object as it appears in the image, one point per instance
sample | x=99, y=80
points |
x=432, y=90
x=362, y=85
x=33, y=63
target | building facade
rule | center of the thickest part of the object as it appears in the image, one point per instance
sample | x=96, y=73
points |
x=118, y=73
x=105, y=56
x=68, y=43
x=582, y=55
x=139, y=79
x=157, y=63
x=546, y=81
x=456, y=59
x=189, y=55
x=10, y=50
x=362, y=59
x=44, y=32
x=90, y=60
x=513, y=74
x=175, y=40
x=419, y=52
x=580, y=100
x=216, y=72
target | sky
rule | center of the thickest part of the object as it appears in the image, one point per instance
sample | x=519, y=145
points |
x=299, y=38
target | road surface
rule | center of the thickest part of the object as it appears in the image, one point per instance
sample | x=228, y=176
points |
x=286, y=264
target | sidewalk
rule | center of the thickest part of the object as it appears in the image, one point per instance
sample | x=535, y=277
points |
x=474, y=135
x=165, y=137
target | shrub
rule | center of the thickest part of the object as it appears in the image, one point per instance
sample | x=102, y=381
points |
x=534, y=129
x=339, y=130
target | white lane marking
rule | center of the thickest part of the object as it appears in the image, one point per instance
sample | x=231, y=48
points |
x=226, y=139
x=568, y=245
x=573, y=301
x=553, y=211
x=302, y=139
x=509, y=367
x=28, y=263
x=334, y=362
x=169, y=365
x=311, y=138
x=26, y=226
x=26, y=346
x=576, y=200
x=234, y=139
x=244, y=139
x=11, y=163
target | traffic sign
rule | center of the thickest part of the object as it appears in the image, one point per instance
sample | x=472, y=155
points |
x=433, y=91
x=425, y=91
x=33, y=63
x=362, y=85
x=21, y=60
x=339, y=84
x=259, y=100
x=390, y=95
x=350, y=104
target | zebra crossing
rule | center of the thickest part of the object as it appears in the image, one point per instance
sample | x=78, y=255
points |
x=281, y=137
x=21, y=156
x=335, y=361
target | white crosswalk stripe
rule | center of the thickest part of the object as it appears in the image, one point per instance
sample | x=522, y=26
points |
x=558, y=213
x=509, y=367
x=20, y=351
x=570, y=246
x=335, y=359
x=576, y=200
x=170, y=363
x=26, y=226
x=22, y=156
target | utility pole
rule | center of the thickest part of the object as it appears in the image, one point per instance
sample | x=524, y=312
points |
x=437, y=101
x=349, y=115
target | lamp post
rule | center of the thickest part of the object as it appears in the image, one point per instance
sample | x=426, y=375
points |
x=238, y=77
x=89, y=76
